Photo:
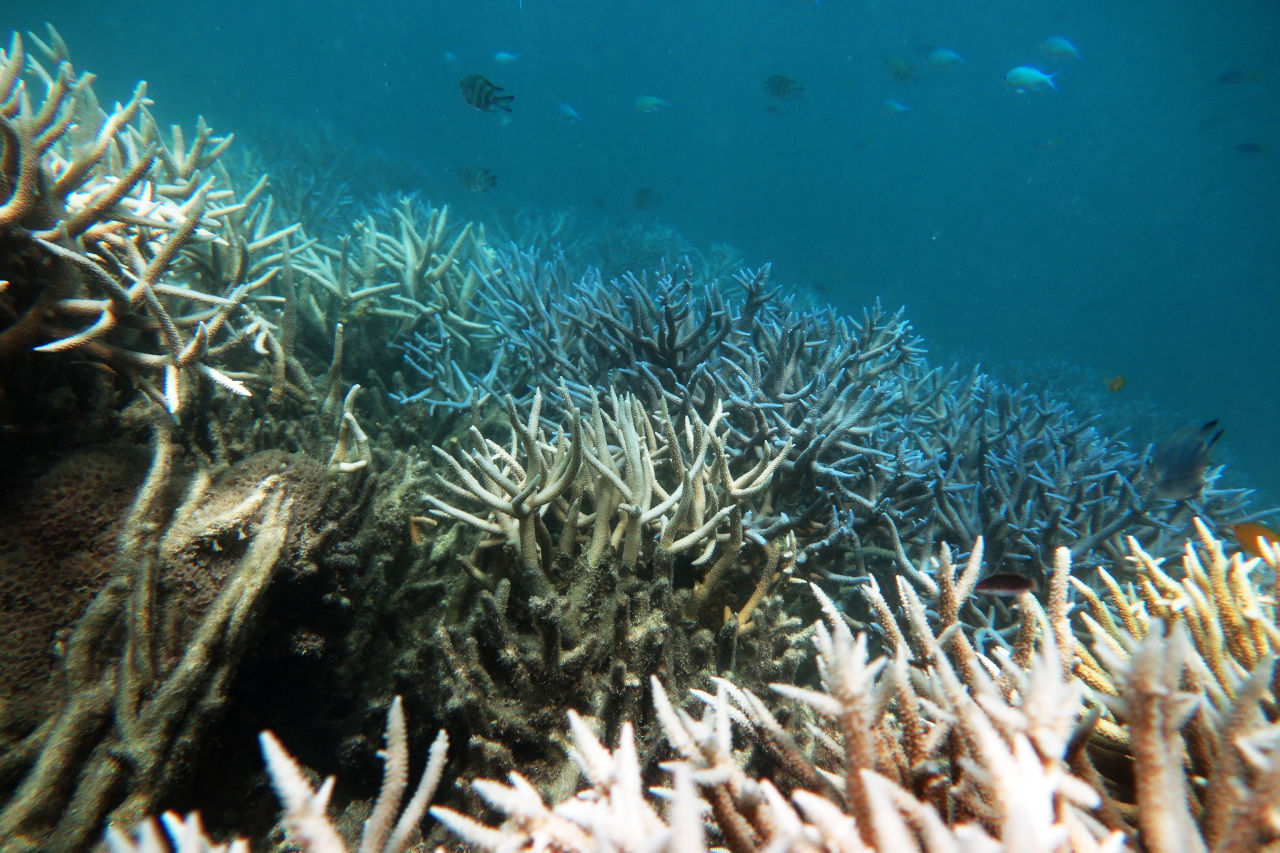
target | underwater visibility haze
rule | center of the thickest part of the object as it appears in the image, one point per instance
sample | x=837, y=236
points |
x=786, y=424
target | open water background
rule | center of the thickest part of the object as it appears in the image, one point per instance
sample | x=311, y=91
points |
x=1110, y=228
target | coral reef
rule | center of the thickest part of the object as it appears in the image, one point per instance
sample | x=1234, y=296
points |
x=314, y=461
x=937, y=747
x=129, y=251
x=942, y=748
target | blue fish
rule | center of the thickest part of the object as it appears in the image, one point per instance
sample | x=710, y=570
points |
x=1025, y=78
x=1059, y=47
x=943, y=57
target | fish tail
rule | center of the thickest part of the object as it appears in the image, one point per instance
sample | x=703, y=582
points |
x=1209, y=428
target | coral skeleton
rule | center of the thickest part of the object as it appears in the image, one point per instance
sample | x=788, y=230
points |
x=124, y=218
x=792, y=586
x=936, y=747
x=923, y=751
x=390, y=828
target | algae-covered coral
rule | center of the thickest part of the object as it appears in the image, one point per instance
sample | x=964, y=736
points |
x=622, y=499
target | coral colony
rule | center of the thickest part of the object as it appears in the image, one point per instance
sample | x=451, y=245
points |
x=677, y=560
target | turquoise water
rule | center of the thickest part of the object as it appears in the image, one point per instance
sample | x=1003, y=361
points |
x=1124, y=225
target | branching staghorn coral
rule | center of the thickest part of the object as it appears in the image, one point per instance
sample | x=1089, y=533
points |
x=516, y=492
x=628, y=553
x=403, y=264
x=703, y=446
x=887, y=456
x=816, y=382
x=121, y=247
x=936, y=747
x=994, y=775
x=389, y=828
x=859, y=458
x=130, y=248
x=939, y=747
x=650, y=487
x=1028, y=476
x=1186, y=661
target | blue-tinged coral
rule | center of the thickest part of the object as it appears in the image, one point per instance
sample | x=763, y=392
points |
x=591, y=471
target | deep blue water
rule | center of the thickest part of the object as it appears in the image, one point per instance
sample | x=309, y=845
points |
x=1112, y=224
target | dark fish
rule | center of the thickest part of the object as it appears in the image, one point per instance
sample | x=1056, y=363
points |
x=1251, y=148
x=483, y=95
x=1234, y=76
x=1178, y=463
x=901, y=70
x=478, y=179
x=1005, y=584
x=644, y=199
x=782, y=88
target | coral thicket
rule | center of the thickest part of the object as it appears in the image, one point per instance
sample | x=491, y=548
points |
x=297, y=464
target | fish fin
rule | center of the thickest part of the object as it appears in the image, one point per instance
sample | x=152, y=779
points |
x=1207, y=429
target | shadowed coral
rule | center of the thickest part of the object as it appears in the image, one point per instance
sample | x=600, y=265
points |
x=1002, y=766
x=390, y=827
x=630, y=479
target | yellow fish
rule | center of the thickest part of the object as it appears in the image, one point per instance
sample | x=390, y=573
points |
x=1251, y=534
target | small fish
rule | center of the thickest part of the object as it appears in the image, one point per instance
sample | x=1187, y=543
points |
x=1251, y=148
x=504, y=58
x=893, y=105
x=943, y=57
x=649, y=104
x=477, y=179
x=1178, y=464
x=644, y=199
x=1235, y=76
x=1116, y=383
x=483, y=95
x=450, y=57
x=782, y=88
x=1059, y=47
x=901, y=70
x=568, y=113
x=1025, y=78
x=1005, y=585
x=1250, y=535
